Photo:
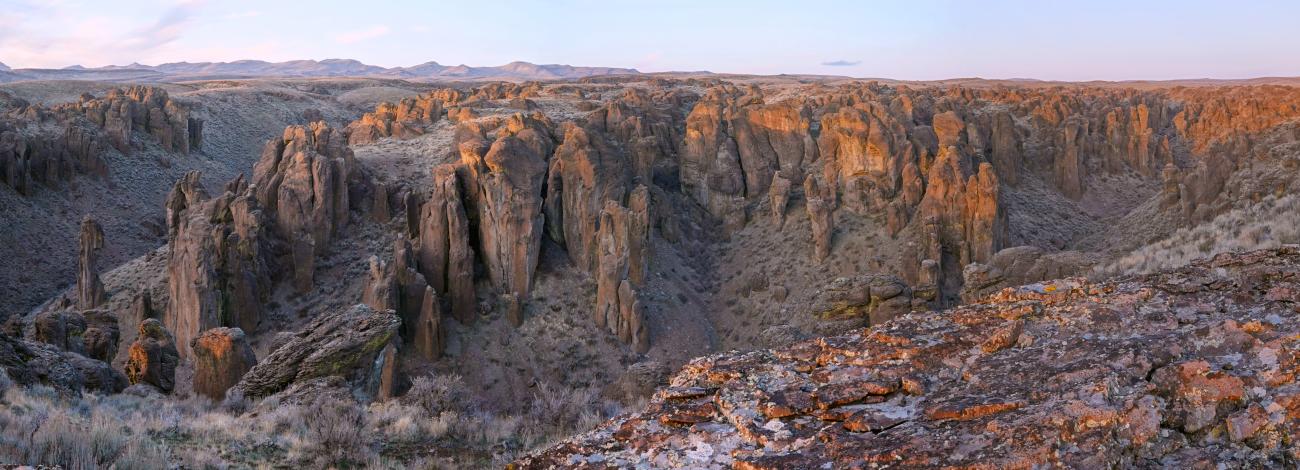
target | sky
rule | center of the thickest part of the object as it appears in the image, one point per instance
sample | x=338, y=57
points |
x=912, y=40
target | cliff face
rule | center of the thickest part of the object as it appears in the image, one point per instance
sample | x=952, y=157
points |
x=1186, y=368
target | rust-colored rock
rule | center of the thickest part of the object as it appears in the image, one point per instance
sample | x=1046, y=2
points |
x=153, y=357
x=1063, y=373
x=221, y=357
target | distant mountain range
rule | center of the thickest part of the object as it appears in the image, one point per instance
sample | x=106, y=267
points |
x=177, y=71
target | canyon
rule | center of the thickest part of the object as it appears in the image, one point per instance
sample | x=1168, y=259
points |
x=841, y=272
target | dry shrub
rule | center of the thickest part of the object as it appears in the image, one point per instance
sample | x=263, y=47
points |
x=336, y=433
x=1269, y=223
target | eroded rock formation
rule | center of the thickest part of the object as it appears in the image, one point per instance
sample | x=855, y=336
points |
x=218, y=264
x=90, y=291
x=153, y=357
x=510, y=179
x=445, y=257
x=32, y=363
x=302, y=180
x=622, y=249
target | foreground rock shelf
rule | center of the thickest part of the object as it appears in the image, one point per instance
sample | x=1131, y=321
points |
x=1190, y=368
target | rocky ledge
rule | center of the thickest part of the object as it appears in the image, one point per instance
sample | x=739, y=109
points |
x=1191, y=368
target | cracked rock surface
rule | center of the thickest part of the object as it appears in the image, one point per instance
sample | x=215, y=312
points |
x=1190, y=368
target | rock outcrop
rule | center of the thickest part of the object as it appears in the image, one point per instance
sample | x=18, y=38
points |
x=153, y=357
x=1064, y=373
x=32, y=363
x=90, y=291
x=141, y=109
x=405, y=119
x=93, y=333
x=1018, y=266
x=219, y=262
x=399, y=287
x=445, y=257
x=348, y=343
x=861, y=300
x=510, y=179
x=51, y=145
x=221, y=357
x=302, y=181
x=585, y=173
x=820, y=202
x=622, y=253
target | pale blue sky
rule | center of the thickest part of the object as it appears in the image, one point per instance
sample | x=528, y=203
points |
x=1107, y=39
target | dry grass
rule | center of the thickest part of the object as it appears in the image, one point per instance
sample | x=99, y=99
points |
x=1269, y=223
x=430, y=427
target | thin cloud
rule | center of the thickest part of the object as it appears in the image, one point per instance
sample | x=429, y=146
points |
x=56, y=35
x=362, y=35
x=243, y=15
x=841, y=63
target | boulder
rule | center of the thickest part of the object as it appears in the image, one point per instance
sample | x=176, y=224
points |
x=348, y=343
x=32, y=363
x=221, y=357
x=62, y=329
x=102, y=335
x=153, y=357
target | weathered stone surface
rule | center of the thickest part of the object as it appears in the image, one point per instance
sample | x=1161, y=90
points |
x=444, y=256
x=218, y=270
x=153, y=357
x=430, y=336
x=779, y=198
x=32, y=154
x=399, y=287
x=621, y=268
x=142, y=109
x=62, y=329
x=102, y=335
x=31, y=363
x=90, y=291
x=585, y=172
x=221, y=357
x=405, y=119
x=510, y=213
x=302, y=182
x=865, y=299
x=1063, y=373
x=347, y=343
x=1018, y=266
x=820, y=202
